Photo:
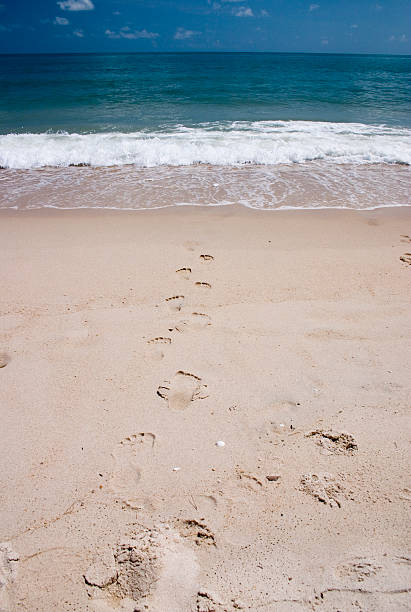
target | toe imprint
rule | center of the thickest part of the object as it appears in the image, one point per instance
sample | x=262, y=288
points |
x=205, y=285
x=249, y=481
x=406, y=258
x=206, y=258
x=4, y=360
x=184, y=273
x=159, y=340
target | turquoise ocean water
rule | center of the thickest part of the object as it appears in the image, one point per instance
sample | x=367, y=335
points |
x=264, y=129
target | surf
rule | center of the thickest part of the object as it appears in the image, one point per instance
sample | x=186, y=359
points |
x=216, y=143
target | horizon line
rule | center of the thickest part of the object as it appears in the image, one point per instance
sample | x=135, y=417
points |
x=175, y=52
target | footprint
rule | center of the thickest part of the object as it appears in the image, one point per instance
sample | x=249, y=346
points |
x=204, y=503
x=249, y=481
x=206, y=258
x=406, y=258
x=200, y=319
x=184, y=273
x=323, y=487
x=369, y=583
x=8, y=569
x=152, y=569
x=197, y=320
x=205, y=285
x=181, y=390
x=155, y=345
x=197, y=532
x=175, y=302
x=286, y=422
x=4, y=360
x=334, y=443
x=130, y=572
x=127, y=474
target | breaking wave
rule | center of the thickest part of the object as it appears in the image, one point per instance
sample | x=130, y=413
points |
x=216, y=144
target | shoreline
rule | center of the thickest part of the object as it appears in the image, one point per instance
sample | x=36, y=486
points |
x=196, y=206
x=299, y=186
x=233, y=208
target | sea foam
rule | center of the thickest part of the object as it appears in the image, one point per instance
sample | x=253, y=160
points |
x=217, y=144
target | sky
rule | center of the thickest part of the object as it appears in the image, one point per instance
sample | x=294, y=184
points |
x=325, y=26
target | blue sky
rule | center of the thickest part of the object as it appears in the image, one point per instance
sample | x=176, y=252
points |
x=347, y=26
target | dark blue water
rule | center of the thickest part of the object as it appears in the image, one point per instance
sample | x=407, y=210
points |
x=132, y=92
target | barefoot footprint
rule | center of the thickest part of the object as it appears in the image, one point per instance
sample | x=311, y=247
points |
x=175, y=302
x=181, y=390
x=197, y=320
x=406, y=258
x=127, y=474
x=155, y=345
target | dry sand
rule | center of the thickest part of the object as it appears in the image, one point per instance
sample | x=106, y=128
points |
x=127, y=355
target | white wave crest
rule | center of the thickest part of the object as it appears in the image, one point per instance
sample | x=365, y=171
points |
x=219, y=144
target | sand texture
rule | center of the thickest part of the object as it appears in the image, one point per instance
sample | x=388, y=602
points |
x=205, y=410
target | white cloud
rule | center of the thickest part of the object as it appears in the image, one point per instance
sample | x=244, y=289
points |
x=61, y=21
x=76, y=5
x=354, y=26
x=79, y=33
x=264, y=13
x=314, y=7
x=400, y=38
x=324, y=41
x=378, y=7
x=116, y=13
x=183, y=34
x=127, y=33
x=243, y=11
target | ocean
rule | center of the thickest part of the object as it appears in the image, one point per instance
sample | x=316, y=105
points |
x=266, y=130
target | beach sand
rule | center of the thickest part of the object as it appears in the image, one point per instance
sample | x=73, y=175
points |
x=133, y=342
